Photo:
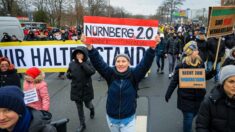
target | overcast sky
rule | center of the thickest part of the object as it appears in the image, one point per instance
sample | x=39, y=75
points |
x=148, y=7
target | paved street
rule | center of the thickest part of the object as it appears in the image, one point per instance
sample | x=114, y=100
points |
x=161, y=116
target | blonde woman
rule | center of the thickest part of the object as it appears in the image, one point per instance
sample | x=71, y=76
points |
x=189, y=99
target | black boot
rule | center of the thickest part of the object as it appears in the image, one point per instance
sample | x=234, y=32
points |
x=81, y=128
x=92, y=113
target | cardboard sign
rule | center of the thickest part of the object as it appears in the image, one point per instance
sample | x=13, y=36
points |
x=221, y=21
x=30, y=96
x=120, y=31
x=192, y=78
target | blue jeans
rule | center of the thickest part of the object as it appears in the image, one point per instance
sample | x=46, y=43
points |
x=210, y=66
x=188, y=121
x=160, y=58
x=130, y=127
x=171, y=59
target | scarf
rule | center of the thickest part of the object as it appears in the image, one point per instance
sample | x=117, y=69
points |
x=23, y=122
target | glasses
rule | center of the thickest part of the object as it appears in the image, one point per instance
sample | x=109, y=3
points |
x=4, y=65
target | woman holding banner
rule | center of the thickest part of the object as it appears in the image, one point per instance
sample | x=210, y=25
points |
x=189, y=99
x=122, y=86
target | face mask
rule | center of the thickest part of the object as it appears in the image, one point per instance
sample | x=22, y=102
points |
x=58, y=37
x=74, y=38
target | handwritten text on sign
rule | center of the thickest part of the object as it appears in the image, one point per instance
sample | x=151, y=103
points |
x=221, y=21
x=192, y=78
x=30, y=96
x=120, y=31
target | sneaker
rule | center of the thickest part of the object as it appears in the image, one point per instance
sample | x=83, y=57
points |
x=158, y=70
x=92, y=113
x=170, y=75
x=161, y=72
x=81, y=128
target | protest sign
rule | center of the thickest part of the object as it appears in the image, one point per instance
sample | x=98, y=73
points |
x=30, y=96
x=120, y=31
x=55, y=56
x=192, y=78
x=221, y=21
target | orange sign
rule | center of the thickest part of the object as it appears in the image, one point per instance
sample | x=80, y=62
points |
x=192, y=78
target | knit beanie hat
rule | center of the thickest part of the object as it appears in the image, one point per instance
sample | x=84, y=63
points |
x=122, y=55
x=33, y=72
x=226, y=72
x=190, y=47
x=12, y=97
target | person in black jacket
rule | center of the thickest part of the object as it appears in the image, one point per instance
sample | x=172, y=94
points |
x=202, y=46
x=8, y=74
x=160, y=55
x=172, y=52
x=217, y=111
x=31, y=36
x=16, y=117
x=80, y=71
x=122, y=86
x=230, y=60
x=212, y=45
x=6, y=37
x=189, y=99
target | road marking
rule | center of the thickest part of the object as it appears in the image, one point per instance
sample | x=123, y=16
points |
x=141, y=123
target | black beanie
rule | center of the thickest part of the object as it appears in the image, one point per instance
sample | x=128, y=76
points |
x=12, y=97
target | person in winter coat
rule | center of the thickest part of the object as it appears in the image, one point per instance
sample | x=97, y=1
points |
x=230, y=60
x=217, y=111
x=31, y=36
x=212, y=45
x=6, y=37
x=16, y=117
x=202, y=46
x=173, y=51
x=8, y=73
x=122, y=86
x=80, y=71
x=160, y=55
x=188, y=99
x=34, y=80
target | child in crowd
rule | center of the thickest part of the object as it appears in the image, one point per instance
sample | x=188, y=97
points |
x=34, y=80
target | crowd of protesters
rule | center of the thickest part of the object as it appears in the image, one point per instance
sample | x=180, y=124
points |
x=184, y=46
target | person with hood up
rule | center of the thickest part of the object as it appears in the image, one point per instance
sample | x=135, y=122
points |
x=34, y=80
x=80, y=71
x=15, y=116
x=217, y=111
x=8, y=73
x=230, y=60
x=122, y=86
x=188, y=99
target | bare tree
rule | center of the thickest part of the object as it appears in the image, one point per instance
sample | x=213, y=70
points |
x=7, y=6
x=97, y=7
x=79, y=9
